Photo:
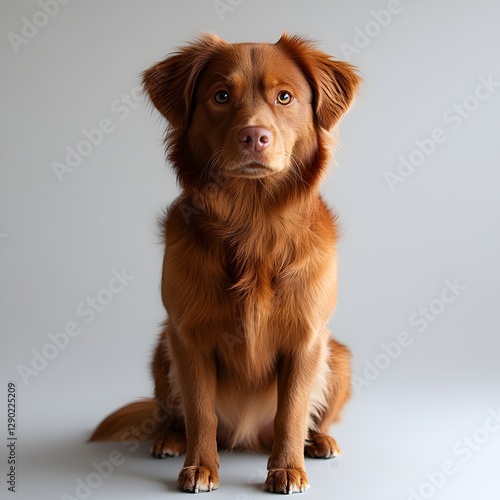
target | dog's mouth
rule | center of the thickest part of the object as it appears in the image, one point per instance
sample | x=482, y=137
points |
x=251, y=170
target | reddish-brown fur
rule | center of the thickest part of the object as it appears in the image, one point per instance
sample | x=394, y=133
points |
x=249, y=273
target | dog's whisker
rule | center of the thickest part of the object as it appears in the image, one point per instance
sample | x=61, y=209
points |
x=214, y=158
x=265, y=187
x=295, y=167
x=207, y=171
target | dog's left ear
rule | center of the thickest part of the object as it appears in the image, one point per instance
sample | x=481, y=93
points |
x=334, y=83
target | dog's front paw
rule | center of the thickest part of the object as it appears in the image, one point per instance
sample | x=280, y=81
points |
x=198, y=478
x=321, y=446
x=287, y=481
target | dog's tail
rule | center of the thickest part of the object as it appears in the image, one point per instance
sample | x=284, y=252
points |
x=137, y=421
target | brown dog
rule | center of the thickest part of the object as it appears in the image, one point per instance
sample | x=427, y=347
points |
x=249, y=274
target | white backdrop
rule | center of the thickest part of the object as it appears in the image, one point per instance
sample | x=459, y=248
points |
x=83, y=179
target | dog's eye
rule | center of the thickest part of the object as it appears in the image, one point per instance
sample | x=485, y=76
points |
x=284, y=97
x=222, y=97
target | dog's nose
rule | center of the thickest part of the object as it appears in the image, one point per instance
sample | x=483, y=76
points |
x=255, y=139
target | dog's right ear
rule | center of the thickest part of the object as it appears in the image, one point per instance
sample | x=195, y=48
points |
x=170, y=83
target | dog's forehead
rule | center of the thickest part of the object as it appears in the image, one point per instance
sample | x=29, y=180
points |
x=246, y=63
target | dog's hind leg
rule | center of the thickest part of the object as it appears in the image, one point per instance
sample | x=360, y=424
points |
x=319, y=443
x=170, y=440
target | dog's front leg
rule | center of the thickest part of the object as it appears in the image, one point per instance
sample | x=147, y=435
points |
x=197, y=377
x=286, y=464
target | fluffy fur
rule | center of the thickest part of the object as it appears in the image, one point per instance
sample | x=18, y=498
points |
x=249, y=273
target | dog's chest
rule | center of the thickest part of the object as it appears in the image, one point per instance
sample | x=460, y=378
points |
x=255, y=267
x=247, y=351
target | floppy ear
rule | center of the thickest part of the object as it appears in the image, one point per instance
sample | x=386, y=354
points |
x=170, y=83
x=334, y=83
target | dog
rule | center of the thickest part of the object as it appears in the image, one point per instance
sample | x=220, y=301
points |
x=245, y=360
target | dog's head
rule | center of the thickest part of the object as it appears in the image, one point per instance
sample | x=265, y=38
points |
x=249, y=110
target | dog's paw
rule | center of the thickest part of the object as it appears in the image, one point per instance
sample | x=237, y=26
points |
x=168, y=445
x=195, y=479
x=321, y=446
x=287, y=481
